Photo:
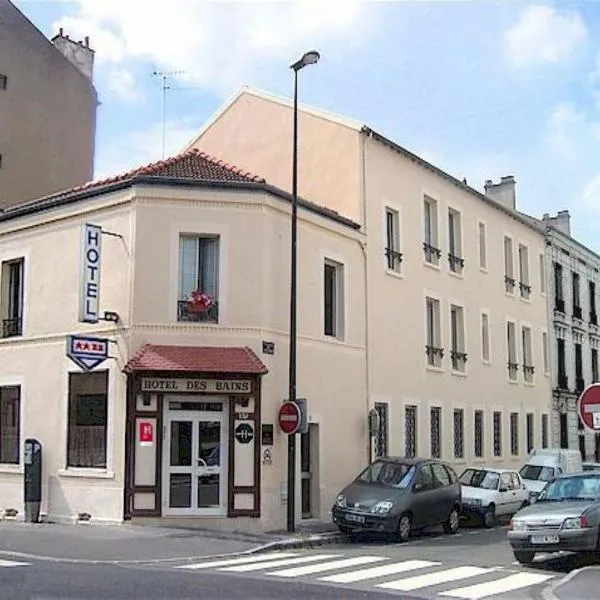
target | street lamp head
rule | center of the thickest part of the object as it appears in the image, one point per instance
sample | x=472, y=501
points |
x=309, y=58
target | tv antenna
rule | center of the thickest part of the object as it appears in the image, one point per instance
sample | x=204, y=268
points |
x=165, y=75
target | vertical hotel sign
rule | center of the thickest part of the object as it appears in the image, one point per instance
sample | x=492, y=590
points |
x=89, y=274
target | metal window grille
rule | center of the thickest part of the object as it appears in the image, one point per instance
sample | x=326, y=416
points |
x=459, y=433
x=529, y=432
x=497, y=434
x=410, y=431
x=436, y=432
x=544, y=431
x=514, y=433
x=381, y=440
x=478, y=426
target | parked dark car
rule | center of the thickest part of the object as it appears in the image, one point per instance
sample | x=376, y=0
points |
x=399, y=496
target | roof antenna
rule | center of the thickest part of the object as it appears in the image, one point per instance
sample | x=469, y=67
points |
x=164, y=75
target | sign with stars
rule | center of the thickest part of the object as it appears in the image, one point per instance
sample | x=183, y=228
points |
x=87, y=352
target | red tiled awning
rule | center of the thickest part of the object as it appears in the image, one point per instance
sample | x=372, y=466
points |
x=188, y=359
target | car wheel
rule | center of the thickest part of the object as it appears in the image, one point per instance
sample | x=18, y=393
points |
x=453, y=521
x=525, y=557
x=404, y=528
x=489, y=517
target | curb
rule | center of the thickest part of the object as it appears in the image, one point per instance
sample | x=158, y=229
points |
x=310, y=541
x=548, y=593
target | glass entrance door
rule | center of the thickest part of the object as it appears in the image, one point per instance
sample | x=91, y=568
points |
x=194, y=464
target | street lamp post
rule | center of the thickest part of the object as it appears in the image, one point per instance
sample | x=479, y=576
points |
x=309, y=58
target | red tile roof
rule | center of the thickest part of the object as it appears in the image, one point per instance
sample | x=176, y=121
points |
x=206, y=359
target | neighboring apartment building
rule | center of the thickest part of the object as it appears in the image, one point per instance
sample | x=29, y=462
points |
x=573, y=281
x=47, y=110
x=457, y=318
x=185, y=275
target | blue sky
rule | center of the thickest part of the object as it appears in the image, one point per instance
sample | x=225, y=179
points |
x=482, y=89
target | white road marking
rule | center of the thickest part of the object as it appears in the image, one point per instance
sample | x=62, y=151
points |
x=498, y=586
x=421, y=581
x=12, y=563
x=278, y=563
x=329, y=566
x=236, y=561
x=381, y=571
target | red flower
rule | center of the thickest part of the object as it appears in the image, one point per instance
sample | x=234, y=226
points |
x=199, y=301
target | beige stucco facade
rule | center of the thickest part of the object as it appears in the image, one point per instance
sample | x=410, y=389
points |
x=139, y=281
x=47, y=111
x=373, y=176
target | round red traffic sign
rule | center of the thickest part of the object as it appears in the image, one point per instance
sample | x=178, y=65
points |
x=588, y=407
x=289, y=417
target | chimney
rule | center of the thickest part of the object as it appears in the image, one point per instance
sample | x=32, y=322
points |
x=562, y=221
x=82, y=56
x=504, y=192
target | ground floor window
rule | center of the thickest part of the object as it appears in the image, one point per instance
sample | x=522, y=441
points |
x=10, y=409
x=382, y=433
x=87, y=420
x=497, y=433
x=410, y=431
x=530, y=441
x=544, y=431
x=436, y=432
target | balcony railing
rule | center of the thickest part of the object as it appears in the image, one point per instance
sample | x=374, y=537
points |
x=394, y=259
x=459, y=360
x=432, y=254
x=457, y=264
x=12, y=327
x=512, y=369
x=206, y=316
x=577, y=312
x=434, y=355
x=579, y=384
x=593, y=317
x=509, y=284
x=563, y=381
x=525, y=289
x=559, y=305
x=528, y=371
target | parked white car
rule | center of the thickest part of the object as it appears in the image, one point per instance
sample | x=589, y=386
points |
x=490, y=493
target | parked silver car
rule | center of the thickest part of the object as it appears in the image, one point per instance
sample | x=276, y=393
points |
x=566, y=516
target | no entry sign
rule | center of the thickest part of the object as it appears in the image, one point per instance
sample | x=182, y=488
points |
x=588, y=407
x=289, y=417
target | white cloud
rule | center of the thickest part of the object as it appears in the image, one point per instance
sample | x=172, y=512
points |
x=218, y=44
x=121, y=82
x=573, y=134
x=544, y=35
x=591, y=194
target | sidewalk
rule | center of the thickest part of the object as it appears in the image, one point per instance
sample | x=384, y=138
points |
x=581, y=584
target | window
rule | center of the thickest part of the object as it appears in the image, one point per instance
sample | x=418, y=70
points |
x=485, y=337
x=393, y=255
x=198, y=279
x=459, y=433
x=545, y=352
x=88, y=408
x=12, y=297
x=542, y=266
x=509, y=273
x=10, y=420
x=514, y=434
x=559, y=299
x=436, y=432
x=524, y=287
x=528, y=367
x=563, y=382
x=333, y=284
x=482, y=247
x=433, y=347
x=544, y=431
x=594, y=365
x=381, y=442
x=410, y=431
x=579, y=381
x=497, y=434
x=592, y=296
x=530, y=442
x=478, y=433
x=455, y=259
x=457, y=331
x=3, y=81
x=577, y=312
x=511, y=343
x=430, y=222
x=440, y=476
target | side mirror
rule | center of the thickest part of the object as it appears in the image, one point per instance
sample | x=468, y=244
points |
x=503, y=489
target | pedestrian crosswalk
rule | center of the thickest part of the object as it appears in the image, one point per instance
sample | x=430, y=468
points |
x=465, y=582
x=12, y=563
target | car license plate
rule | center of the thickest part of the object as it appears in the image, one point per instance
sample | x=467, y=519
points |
x=545, y=539
x=355, y=518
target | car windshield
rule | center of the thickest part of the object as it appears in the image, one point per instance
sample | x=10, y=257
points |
x=480, y=478
x=572, y=488
x=392, y=474
x=537, y=473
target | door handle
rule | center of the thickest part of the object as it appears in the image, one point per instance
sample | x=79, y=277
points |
x=202, y=463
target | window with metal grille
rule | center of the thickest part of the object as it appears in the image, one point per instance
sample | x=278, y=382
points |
x=410, y=431
x=436, y=432
x=544, y=431
x=497, y=434
x=392, y=249
x=3, y=81
x=514, y=434
x=529, y=432
x=478, y=433
x=381, y=441
x=459, y=433
x=10, y=421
